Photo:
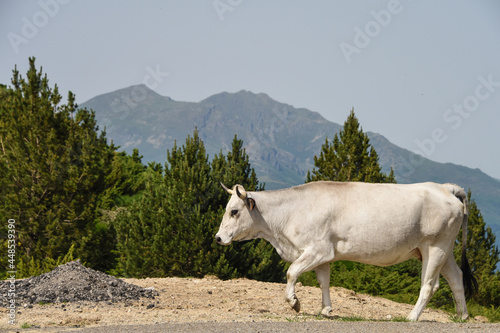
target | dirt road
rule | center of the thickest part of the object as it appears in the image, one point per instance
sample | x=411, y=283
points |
x=285, y=327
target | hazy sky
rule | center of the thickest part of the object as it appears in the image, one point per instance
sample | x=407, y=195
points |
x=425, y=74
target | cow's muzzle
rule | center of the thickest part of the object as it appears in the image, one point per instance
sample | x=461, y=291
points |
x=218, y=239
x=222, y=241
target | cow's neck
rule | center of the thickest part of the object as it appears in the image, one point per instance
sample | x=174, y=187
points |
x=274, y=209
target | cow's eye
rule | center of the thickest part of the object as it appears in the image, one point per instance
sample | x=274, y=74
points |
x=234, y=212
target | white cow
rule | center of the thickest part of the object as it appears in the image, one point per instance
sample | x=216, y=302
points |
x=314, y=224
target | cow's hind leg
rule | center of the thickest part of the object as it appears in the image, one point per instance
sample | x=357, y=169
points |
x=306, y=262
x=453, y=274
x=433, y=258
x=323, y=276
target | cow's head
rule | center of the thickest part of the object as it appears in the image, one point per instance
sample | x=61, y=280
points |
x=237, y=223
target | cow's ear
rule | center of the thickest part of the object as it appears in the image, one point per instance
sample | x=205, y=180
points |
x=243, y=194
x=250, y=203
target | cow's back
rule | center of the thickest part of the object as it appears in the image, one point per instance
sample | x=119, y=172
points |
x=378, y=223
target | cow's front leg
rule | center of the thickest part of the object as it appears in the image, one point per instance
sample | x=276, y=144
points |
x=323, y=276
x=306, y=262
x=290, y=296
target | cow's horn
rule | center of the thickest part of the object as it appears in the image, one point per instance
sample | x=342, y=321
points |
x=226, y=189
x=241, y=195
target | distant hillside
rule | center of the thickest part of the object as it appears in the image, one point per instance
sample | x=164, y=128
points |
x=280, y=140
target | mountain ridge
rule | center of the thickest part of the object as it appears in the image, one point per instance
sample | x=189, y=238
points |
x=281, y=140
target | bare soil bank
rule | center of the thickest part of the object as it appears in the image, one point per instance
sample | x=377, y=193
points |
x=56, y=300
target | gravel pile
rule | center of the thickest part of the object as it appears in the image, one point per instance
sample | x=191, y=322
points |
x=73, y=282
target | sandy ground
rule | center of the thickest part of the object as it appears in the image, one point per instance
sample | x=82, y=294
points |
x=186, y=300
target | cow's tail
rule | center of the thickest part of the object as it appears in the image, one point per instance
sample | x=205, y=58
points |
x=469, y=280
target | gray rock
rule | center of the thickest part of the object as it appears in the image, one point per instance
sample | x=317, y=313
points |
x=73, y=282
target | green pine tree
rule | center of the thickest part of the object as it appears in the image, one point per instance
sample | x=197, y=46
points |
x=175, y=221
x=54, y=167
x=255, y=259
x=165, y=222
x=349, y=157
x=141, y=228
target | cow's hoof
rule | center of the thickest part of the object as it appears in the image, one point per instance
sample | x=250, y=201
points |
x=295, y=304
x=412, y=318
x=327, y=312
